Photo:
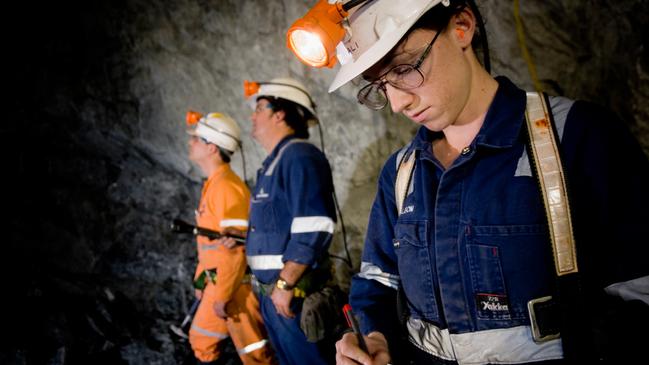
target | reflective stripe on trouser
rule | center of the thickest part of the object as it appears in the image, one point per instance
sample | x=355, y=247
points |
x=244, y=325
x=289, y=342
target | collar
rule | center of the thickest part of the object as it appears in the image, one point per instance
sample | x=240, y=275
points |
x=216, y=174
x=276, y=150
x=502, y=124
x=219, y=171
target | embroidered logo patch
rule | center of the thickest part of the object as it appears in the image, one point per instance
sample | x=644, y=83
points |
x=262, y=194
x=492, y=303
x=408, y=209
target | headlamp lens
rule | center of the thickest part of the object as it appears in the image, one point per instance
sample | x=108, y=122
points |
x=309, y=47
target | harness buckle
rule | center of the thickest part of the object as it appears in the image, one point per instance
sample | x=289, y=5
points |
x=544, y=319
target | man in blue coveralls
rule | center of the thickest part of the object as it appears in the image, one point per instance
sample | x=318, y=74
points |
x=466, y=240
x=292, y=217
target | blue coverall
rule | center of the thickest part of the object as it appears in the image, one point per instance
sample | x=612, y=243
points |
x=471, y=247
x=292, y=218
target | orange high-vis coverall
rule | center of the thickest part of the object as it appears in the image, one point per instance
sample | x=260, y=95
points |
x=224, y=203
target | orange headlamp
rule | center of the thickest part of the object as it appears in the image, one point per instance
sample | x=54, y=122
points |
x=192, y=117
x=313, y=38
x=250, y=88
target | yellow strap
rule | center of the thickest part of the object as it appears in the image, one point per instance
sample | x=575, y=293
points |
x=523, y=46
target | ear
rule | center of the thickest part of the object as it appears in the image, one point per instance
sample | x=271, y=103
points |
x=212, y=148
x=279, y=116
x=462, y=27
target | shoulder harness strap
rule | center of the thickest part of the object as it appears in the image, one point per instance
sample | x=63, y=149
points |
x=545, y=156
x=405, y=168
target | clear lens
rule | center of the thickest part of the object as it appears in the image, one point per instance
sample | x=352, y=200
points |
x=373, y=96
x=308, y=47
x=404, y=77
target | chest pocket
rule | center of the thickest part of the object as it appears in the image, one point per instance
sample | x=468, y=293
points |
x=262, y=216
x=508, y=266
x=415, y=268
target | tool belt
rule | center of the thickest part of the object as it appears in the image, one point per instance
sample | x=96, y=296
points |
x=210, y=276
x=266, y=289
x=321, y=315
x=206, y=276
x=310, y=282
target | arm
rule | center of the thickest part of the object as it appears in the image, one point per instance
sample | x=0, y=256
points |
x=230, y=204
x=608, y=175
x=605, y=194
x=373, y=291
x=308, y=189
x=291, y=273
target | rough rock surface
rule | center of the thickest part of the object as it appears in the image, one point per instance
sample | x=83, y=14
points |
x=95, y=150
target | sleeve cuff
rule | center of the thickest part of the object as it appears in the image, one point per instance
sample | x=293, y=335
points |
x=300, y=253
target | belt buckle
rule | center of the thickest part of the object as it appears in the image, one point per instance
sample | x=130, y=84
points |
x=536, y=331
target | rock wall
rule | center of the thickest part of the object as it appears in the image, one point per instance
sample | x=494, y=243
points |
x=95, y=148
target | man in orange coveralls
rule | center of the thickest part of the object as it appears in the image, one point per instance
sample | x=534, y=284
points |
x=228, y=306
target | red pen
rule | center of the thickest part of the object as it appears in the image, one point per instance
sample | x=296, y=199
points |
x=353, y=323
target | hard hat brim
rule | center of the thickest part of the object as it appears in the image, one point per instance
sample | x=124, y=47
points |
x=377, y=51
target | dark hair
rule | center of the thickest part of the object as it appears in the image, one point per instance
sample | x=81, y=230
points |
x=438, y=18
x=295, y=115
x=224, y=154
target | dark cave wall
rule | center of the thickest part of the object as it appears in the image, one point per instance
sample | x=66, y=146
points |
x=95, y=148
x=97, y=274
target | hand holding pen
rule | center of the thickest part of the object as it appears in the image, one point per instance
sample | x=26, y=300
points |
x=353, y=323
x=354, y=348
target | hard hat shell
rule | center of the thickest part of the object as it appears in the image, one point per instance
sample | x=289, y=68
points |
x=219, y=129
x=375, y=28
x=289, y=89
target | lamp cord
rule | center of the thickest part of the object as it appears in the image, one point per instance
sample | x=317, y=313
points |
x=348, y=259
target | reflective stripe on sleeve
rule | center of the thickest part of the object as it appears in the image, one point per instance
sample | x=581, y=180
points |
x=208, y=247
x=252, y=347
x=234, y=223
x=497, y=346
x=265, y=262
x=636, y=289
x=370, y=271
x=312, y=224
x=207, y=333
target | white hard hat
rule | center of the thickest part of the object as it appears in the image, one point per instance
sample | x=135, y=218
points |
x=375, y=28
x=289, y=89
x=219, y=129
